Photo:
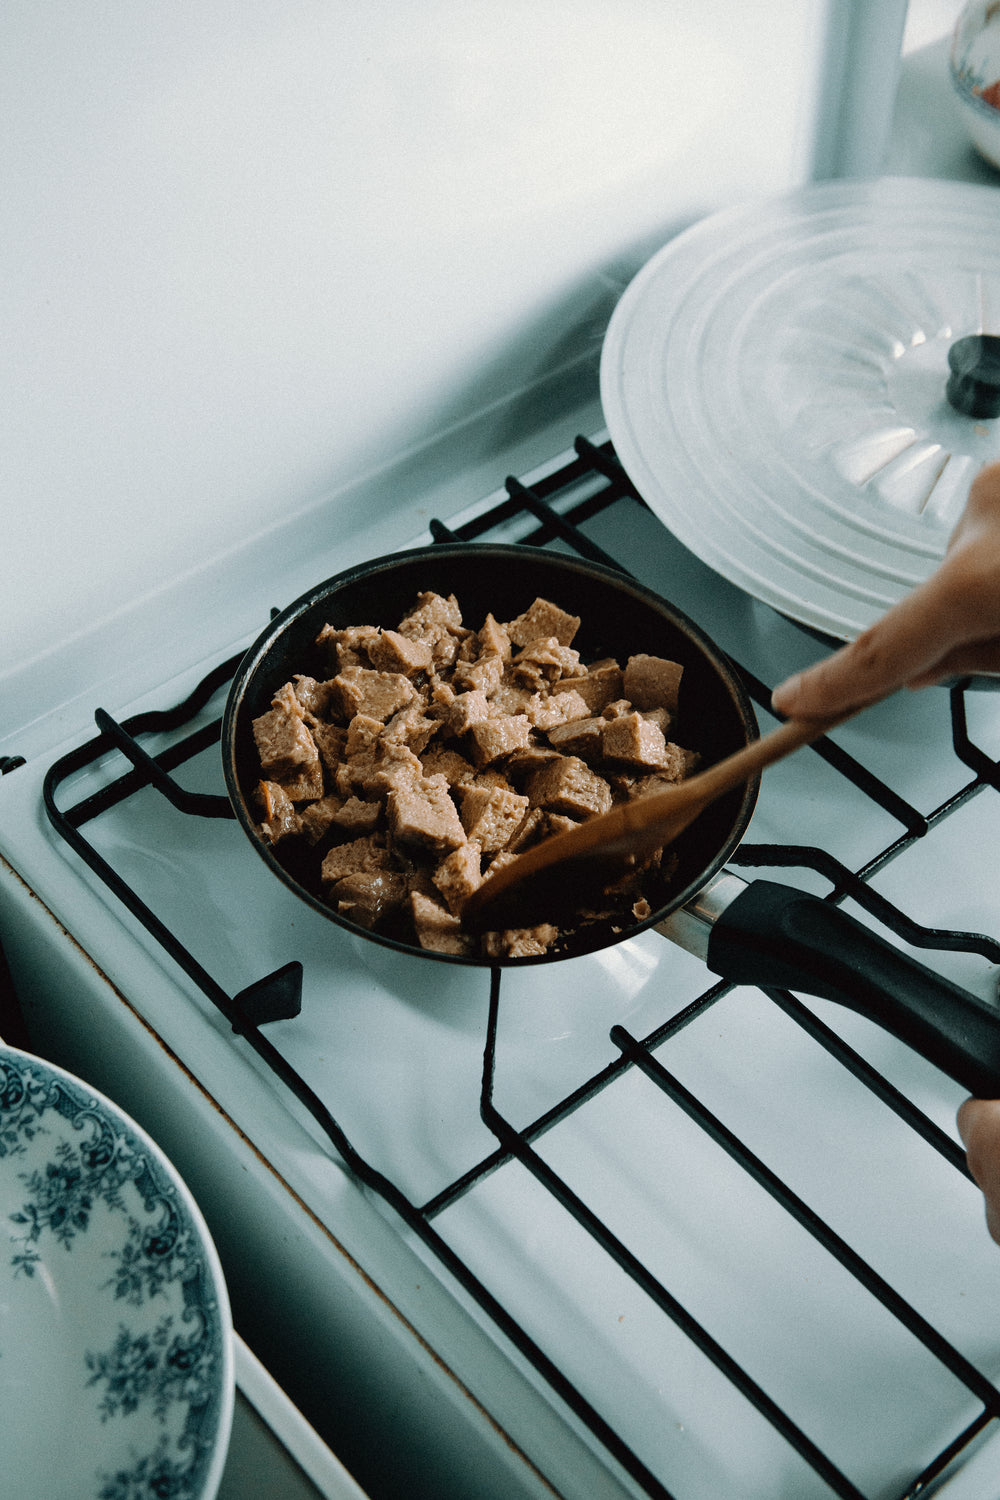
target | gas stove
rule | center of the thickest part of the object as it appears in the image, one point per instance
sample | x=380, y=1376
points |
x=646, y=1207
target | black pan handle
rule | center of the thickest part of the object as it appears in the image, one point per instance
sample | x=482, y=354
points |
x=771, y=934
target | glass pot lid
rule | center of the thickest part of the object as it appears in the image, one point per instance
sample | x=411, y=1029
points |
x=802, y=391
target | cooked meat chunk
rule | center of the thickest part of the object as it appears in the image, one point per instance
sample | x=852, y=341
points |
x=393, y=652
x=652, y=682
x=546, y=711
x=466, y=709
x=634, y=741
x=569, y=786
x=490, y=815
x=282, y=737
x=512, y=697
x=411, y=727
x=356, y=816
x=521, y=942
x=545, y=661
x=454, y=767
x=347, y=648
x=601, y=685
x=279, y=817
x=317, y=819
x=484, y=674
x=313, y=697
x=432, y=613
x=581, y=737
x=377, y=695
x=489, y=739
x=331, y=742
x=359, y=857
x=457, y=876
x=438, y=929
x=541, y=620
x=368, y=897
x=424, y=814
x=493, y=639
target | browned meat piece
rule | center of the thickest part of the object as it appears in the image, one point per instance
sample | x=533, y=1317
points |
x=536, y=826
x=490, y=815
x=357, y=817
x=679, y=764
x=512, y=697
x=432, y=613
x=438, y=622
x=632, y=740
x=458, y=876
x=520, y=942
x=313, y=697
x=361, y=856
x=331, y=742
x=467, y=709
x=393, y=652
x=307, y=785
x=378, y=695
x=493, y=639
x=652, y=682
x=489, y=739
x=601, y=686
x=569, y=786
x=581, y=737
x=368, y=898
x=542, y=619
x=317, y=819
x=411, y=727
x=423, y=814
x=521, y=763
x=437, y=929
x=544, y=661
x=441, y=760
x=283, y=741
x=395, y=766
x=347, y=648
x=357, y=767
x=484, y=674
x=545, y=711
x=277, y=811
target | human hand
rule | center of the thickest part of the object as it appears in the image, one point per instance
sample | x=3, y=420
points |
x=979, y=1127
x=947, y=627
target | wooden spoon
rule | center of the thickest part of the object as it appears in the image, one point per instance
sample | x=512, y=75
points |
x=544, y=883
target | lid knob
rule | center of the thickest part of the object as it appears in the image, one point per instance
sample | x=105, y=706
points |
x=974, y=385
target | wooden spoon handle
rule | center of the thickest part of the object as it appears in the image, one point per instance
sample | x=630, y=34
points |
x=758, y=754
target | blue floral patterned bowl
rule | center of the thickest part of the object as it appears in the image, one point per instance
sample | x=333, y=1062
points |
x=116, y=1356
x=974, y=61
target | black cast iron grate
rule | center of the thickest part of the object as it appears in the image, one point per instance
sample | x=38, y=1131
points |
x=561, y=504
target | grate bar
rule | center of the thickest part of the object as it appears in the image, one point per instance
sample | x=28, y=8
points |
x=869, y=1278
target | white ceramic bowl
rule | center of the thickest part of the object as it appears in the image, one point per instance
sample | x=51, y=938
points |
x=974, y=61
x=116, y=1360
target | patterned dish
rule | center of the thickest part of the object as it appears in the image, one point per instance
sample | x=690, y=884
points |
x=116, y=1359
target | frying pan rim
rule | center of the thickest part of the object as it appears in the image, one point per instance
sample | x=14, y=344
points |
x=262, y=650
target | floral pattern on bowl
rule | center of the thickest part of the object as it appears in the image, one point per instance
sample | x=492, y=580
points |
x=974, y=62
x=116, y=1364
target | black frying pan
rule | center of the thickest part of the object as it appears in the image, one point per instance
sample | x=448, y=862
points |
x=770, y=934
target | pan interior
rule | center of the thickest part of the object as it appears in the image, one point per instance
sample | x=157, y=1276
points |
x=618, y=618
